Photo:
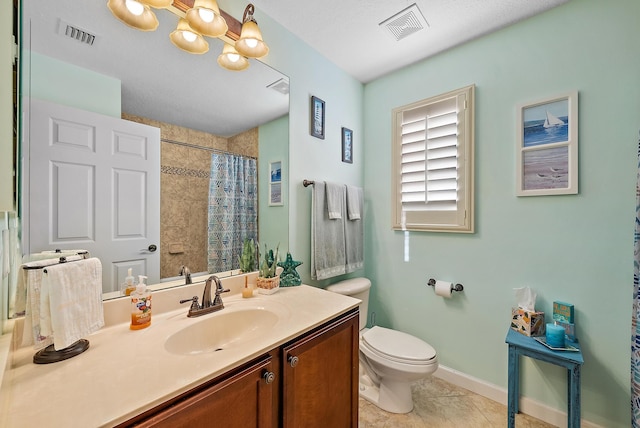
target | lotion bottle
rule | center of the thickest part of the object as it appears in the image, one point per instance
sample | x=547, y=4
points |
x=129, y=286
x=140, y=306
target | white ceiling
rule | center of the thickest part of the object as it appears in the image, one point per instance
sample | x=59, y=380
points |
x=163, y=83
x=347, y=32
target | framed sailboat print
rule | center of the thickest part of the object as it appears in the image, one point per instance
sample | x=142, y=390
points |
x=547, y=152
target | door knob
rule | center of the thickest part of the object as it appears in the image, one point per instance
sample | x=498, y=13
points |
x=293, y=360
x=151, y=248
x=269, y=377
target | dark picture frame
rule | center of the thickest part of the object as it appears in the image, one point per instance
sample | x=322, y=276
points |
x=316, y=119
x=347, y=145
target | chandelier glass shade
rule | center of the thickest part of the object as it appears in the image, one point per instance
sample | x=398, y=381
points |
x=134, y=13
x=204, y=17
x=231, y=59
x=250, y=43
x=188, y=40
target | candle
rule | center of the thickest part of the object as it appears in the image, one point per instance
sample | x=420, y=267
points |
x=555, y=336
x=247, y=291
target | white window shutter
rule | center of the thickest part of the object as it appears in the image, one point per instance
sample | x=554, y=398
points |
x=433, y=153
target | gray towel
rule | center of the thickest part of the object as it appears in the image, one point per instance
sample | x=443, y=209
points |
x=327, y=238
x=354, y=197
x=335, y=195
x=354, y=233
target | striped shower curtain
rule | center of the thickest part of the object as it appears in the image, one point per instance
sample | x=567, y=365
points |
x=635, y=326
x=233, y=209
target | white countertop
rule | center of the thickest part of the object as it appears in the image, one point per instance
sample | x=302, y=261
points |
x=125, y=372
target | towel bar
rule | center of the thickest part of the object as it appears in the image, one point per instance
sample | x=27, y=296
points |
x=307, y=183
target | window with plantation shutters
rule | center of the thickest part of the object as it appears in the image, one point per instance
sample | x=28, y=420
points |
x=433, y=163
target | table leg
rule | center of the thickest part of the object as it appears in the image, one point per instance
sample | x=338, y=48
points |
x=573, y=397
x=513, y=391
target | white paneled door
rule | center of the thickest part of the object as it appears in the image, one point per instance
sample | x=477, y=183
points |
x=94, y=184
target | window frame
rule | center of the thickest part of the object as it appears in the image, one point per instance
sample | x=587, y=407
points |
x=460, y=219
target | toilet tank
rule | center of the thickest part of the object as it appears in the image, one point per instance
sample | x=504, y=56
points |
x=357, y=288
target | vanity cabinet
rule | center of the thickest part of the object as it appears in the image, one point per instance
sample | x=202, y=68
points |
x=243, y=399
x=320, y=377
x=310, y=381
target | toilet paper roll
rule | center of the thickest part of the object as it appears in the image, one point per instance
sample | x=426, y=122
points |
x=443, y=288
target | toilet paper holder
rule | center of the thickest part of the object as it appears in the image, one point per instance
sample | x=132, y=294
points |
x=456, y=287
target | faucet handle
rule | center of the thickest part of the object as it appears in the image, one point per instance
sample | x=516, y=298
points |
x=194, y=303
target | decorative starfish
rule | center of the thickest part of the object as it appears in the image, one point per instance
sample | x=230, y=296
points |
x=289, y=276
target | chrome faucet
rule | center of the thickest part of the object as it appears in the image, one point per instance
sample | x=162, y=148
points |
x=208, y=305
x=187, y=274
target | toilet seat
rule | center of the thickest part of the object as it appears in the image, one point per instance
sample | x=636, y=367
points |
x=398, y=346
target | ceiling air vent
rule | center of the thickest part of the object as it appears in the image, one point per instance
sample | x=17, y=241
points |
x=405, y=22
x=76, y=33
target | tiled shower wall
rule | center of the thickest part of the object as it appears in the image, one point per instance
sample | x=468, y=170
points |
x=184, y=191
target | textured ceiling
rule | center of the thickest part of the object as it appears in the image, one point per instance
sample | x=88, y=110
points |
x=347, y=32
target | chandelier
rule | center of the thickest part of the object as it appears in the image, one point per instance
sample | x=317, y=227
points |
x=202, y=20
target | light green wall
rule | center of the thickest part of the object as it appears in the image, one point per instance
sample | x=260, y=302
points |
x=74, y=87
x=273, y=146
x=575, y=248
x=310, y=157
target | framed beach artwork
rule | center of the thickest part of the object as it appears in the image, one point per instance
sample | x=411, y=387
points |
x=317, y=118
x=275, y=184
x=547, y=153
x=347, y=145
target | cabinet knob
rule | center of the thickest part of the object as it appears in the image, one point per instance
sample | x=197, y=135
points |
x=269, y=377
x=293, y=361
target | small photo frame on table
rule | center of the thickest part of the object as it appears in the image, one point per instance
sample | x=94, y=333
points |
x=317, y=117
x=275, y=183
x=347, y=145
x=547, y=152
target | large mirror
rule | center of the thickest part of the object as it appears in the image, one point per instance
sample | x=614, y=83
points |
x=199, y=107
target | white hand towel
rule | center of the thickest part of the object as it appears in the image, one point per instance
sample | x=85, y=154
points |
x=75, y=300
x=30, y=287
x=335, y=196
x=354, y=202
x=31, y=334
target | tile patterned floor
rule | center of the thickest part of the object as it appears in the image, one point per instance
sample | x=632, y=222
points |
x=439, y=404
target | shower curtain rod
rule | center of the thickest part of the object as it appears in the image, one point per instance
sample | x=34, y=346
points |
x=209, y=149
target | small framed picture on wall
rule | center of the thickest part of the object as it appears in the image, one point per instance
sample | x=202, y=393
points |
x=347, y=145
x=317, y=117
x=547, y=162
x=275, y=183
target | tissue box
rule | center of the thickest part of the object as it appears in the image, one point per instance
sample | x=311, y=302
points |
x=529, y=323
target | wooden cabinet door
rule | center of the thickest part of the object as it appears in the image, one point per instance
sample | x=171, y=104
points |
x=320, y=377
x=243, y=400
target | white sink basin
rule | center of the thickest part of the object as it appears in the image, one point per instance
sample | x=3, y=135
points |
x=223, y=330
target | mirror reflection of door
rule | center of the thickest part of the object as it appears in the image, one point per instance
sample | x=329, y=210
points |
x=94, y=185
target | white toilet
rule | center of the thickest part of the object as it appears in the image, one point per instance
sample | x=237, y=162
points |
x=389, y=360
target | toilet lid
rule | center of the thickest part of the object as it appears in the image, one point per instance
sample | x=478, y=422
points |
x=398, y=346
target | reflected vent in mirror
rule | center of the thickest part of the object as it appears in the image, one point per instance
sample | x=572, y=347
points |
x=73, y=32
x=280, y=85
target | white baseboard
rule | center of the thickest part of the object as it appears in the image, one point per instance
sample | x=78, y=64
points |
x=527, y=405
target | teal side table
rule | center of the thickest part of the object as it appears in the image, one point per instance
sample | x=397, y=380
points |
x=520, y=344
